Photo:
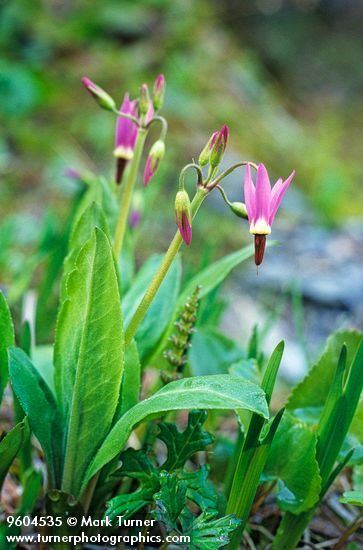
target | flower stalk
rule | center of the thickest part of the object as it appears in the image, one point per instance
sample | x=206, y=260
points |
x=127, y=192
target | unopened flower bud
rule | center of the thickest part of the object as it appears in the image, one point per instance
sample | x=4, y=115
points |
x=103, y=99
x=205, y=154
x=159, y=92
x=183, y=215
x=219, y=146
x=144, y=103
x=153, y=160
x=239, y=208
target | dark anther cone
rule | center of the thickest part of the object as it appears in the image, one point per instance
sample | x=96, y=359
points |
x=120, y=168
x=260, y=243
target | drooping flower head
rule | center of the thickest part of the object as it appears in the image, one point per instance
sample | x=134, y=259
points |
x=183, y=215
x=153, y=160
x=262, y=203
x=125, y=137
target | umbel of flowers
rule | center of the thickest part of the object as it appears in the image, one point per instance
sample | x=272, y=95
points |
x=133, y=121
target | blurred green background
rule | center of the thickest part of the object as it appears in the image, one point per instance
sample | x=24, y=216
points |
x=285, y=75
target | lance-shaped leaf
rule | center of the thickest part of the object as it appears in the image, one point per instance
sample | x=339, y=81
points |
x=182, y=445
x=89, y=354
x=38, y=403
x=6, y=340
x=91, y=217
x=10, y=445
x=206, y=392
x=131, y=380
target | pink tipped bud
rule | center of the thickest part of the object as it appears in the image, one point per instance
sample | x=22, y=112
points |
x=159, y=92
x=183, y=216
x=153, y=160
x=103, y=99
x=205, y=154
x=144, y=102
x=219, y=146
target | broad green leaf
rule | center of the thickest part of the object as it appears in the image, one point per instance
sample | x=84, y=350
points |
x=182, y=445
x=352, y=497
x=313, y=389
x=6, y=340
x=10, y=445
x=88, y=356
x=40, y=407
x=213, y=275
x=291, y=460
x=162, y=308
x=131, y=380
x=42, y=357
x=170, y=500
x=91, y=217
x=207, y=392
x=211, y=534
x=212, y=352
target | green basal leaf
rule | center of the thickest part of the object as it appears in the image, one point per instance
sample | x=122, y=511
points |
x=91, y=217
x=162, y=308
x=291, y=460
x=131, y=380
x=314, y=388
x=211, y=534
x=6, y=339
x=88, y=356
x=352, y=497
x=170, y=500
x=182, y=445
x=207, y=392
x=39, y=405
x=212, y=352
x=10, y=445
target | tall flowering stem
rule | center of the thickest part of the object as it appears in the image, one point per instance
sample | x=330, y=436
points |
x=172, y=251
x=127, y=192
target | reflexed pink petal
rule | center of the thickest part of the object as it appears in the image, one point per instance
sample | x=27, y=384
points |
x=126, y=130
x=249, y=192
x=263, y=194
x=278, y=191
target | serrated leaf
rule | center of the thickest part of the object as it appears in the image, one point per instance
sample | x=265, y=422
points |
x=88, y=356
x=200, y=490
x=39, y=405
x=6, y=339
x=182, y=445
x=207, y=392
x=299, y=479
x=136, y=465
x=212, y=352
x=211, y=534
x=170, y=500
x=10, y=445
x=352, y=497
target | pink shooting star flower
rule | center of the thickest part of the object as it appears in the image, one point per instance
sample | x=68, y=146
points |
x=262, y=203
x=125, y=138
